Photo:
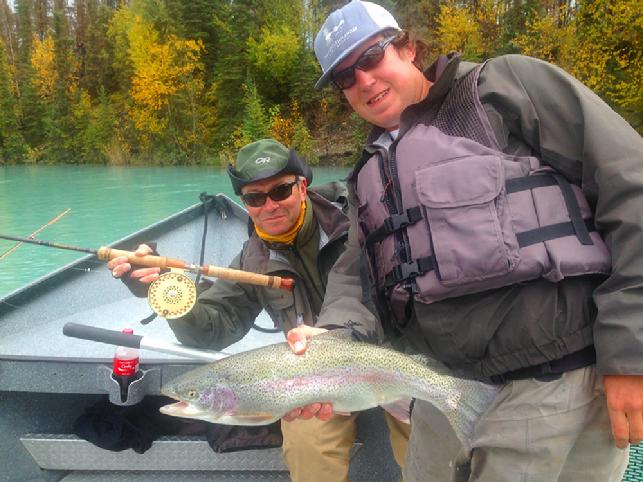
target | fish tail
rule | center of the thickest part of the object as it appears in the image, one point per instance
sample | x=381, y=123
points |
x=473, y=400
x=462, y=402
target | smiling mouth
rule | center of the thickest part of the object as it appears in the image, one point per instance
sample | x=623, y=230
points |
x=378, y=97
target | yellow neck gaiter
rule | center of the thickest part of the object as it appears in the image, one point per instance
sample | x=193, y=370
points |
x=289, y=236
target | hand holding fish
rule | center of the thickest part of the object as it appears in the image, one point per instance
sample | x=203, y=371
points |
x=120, y=266
x=298, y=337
x=624, y=395
x=323, y=411
x=298, y=342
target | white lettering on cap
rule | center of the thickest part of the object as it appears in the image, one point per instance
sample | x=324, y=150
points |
x=339, y=42
x=262, y=160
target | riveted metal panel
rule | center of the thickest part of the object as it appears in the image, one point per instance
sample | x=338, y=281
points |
x=175, y=476
x=68, y=452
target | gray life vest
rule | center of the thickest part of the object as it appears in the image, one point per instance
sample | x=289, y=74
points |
x=451, y=214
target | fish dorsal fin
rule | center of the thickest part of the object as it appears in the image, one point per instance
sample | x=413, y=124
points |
x=351, y=334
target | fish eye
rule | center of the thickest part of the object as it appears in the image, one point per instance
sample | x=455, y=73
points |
x=192, y=394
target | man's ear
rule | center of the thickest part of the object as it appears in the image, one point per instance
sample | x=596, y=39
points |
x=410, y=51
x=303, y=183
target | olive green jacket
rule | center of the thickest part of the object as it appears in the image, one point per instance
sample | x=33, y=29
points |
x=226, y=311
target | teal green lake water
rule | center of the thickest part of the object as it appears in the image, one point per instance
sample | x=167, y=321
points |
x=107, y=204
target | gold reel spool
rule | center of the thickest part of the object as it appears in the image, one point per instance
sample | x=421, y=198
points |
x=172, y=295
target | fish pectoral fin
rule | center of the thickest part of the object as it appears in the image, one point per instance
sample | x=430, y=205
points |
x=400, y=409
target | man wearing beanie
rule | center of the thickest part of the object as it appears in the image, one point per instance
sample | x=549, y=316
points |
x=496, y=224
x=298, y=233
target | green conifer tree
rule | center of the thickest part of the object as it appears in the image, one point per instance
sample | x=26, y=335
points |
x=12, y=145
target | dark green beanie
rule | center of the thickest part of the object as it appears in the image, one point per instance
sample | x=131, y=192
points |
x=263, y=159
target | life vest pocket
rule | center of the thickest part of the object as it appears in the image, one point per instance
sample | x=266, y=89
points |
x=468, y=218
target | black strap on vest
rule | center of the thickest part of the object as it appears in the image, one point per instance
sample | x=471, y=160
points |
x=574, y=210
x=404, y=271
x=394, y=223
x=553, y=231
x=576, y=226
x=528, y=182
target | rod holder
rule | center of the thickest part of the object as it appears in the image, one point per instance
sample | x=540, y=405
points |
x=147, y=382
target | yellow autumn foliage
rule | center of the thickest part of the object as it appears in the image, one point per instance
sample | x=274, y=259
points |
x=608, y=54
x=281, y=128
x=547, y=39
x=291, y=130
x=161, y=69
x=601, y=43
x=458, y=31
x=488, y=17
x=43, y=61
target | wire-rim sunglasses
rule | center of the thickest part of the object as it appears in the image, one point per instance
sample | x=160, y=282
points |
x=369, y=59
x=277, y=193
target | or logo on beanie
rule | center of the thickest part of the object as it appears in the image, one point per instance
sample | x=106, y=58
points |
x=262, y=160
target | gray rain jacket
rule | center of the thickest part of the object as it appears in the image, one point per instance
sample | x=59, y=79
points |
x=534, y=109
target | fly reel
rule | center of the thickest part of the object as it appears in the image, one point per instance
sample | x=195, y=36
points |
x=172, y=295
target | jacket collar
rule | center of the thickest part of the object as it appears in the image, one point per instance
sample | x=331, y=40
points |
x=333, y=222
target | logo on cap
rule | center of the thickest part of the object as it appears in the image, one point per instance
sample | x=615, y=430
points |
x=328, y=33
x=262, y=160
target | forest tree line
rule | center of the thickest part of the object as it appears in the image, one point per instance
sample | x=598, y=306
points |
x=191, y=81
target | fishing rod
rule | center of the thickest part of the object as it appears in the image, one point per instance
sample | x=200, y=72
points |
x=106, y=254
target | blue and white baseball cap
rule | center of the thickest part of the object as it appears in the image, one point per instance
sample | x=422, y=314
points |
x=344, y=30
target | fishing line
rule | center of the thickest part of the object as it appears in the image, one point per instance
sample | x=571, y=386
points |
x=32, y=235
x=16, y=307
x=204, y=197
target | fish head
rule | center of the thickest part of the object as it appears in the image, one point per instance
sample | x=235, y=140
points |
x=210, y=403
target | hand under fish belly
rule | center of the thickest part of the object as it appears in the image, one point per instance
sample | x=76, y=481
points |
x=260, y=386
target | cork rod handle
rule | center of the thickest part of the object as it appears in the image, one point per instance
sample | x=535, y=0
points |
x=287, y=284
x=149, y=261
x=277, y=282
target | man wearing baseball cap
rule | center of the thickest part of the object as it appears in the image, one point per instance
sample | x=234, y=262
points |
x=497, y=210
x=296, y=232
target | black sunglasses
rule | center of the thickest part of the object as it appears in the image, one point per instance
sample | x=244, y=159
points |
x=277, y=193
x=345, y=78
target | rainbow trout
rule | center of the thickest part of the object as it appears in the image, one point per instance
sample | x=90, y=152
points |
x=259, y=386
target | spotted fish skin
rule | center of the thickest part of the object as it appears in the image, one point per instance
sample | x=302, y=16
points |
x=259, y=386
